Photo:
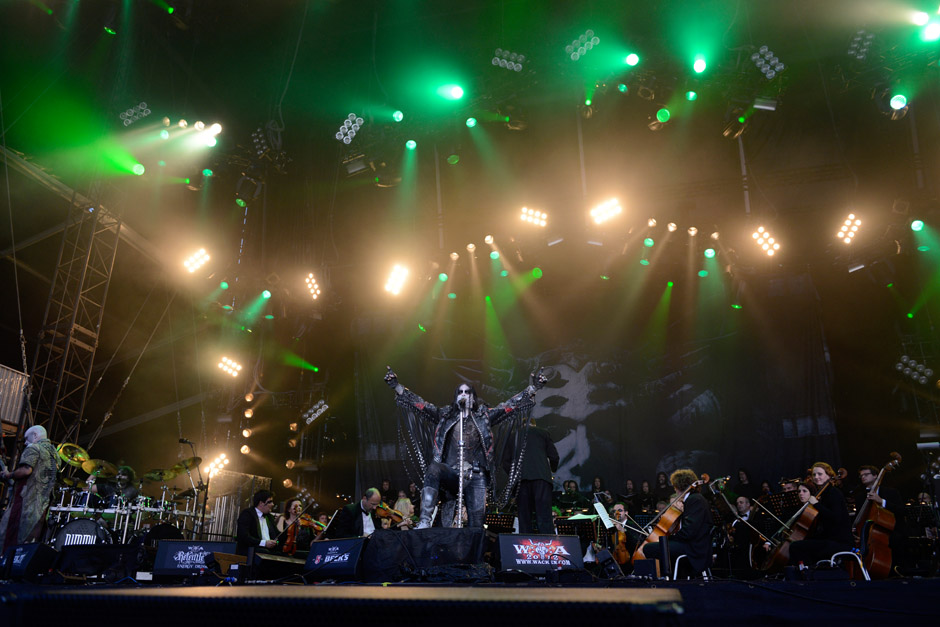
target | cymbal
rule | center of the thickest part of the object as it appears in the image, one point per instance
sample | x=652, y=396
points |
x=160, y=475
x=72, y=454
x=187, y=464
x=73, y=483
x=100, y=468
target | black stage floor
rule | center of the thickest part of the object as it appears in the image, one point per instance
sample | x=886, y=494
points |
x=715, y=602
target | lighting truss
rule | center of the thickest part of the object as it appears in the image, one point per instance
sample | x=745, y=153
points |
x=348, y=129
x=764, y=240
x=537, y=218
x=767, y=62
x=582, y=45
x=849, y=229
x=134, y=114
x=508, y=60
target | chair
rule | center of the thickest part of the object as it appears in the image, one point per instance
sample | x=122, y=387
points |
x=706, y=574
x=832, y=561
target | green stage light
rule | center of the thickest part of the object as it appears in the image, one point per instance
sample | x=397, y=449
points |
x=453, y=159
x=644, y=262
x=223, y=285
x=442, y=277
x=699, y=65
x=398, y=116
x=604, y=277
x=917, y=225
x=110, y=30
x=170, y=10
x=450, y=92
x=207, y=172
x=494, y=254
x=587, y=102
x=669, y=283
x=487, y=298
x=266, y=294
x=632, y=59
x=421, y=328
x=471, y=122
x=890, y=285
x=622, y=88
x=504, y=273
x=910, y=315
x=736, y=306
x=536, y=273
x=452, y=296
x=269, y=317
x=703, y=273
x=663, y=115
x=709, y=253
x=691, y=95
x=931, y=32
x=138, y=169
x=241, y=203
x=898, y=102
x=411, y=144
x=648, y=242
x=164, y=134
x=742, y=119
x=923, y=248
x=161, y=163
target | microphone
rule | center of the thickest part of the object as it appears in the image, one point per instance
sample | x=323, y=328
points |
x=184, y=441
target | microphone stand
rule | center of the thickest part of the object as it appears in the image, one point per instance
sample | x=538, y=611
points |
x=203, y=485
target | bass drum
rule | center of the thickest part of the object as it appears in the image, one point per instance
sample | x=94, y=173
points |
x=82, y=531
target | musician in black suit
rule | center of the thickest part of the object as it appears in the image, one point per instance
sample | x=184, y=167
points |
x=256, y=525
x=358, y=519
x=832, y=530
x=694, y=537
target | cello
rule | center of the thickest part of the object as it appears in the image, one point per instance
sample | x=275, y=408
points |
x=873, y=526
x=794, y=530
x=665, y=522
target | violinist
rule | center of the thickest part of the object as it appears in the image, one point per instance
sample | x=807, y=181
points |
x=695, y=528
x=297, y=534
x=832, y=531
x=358, y=519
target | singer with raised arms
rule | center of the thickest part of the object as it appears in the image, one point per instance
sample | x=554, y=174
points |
x=462, y=461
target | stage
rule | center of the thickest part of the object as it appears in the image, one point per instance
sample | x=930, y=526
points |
x=717, y=602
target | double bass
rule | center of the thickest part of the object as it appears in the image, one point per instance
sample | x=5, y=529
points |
x=873, y=526
x=664, y=524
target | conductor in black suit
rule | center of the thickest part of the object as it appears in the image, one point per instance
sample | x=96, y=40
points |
x=256, y=525
x=694, y=537
x=358, y=519
x=535, y=479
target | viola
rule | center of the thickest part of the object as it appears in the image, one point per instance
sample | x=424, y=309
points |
x=620, y=552
x=873, y=526
x=664, y=524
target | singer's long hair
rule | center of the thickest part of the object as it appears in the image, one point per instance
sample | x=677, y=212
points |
x=476, y=399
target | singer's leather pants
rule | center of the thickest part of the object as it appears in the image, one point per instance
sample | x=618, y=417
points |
x=440, y=476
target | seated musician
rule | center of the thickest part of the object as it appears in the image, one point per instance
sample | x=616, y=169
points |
x=571, y=499
x=358, y=519
x=693, y=537
x=832, y=531
x=255, y=526
x=888, y=498
x=122, y=486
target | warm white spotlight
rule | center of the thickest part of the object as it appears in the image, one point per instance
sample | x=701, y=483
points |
x=196, y=260
x=471, y=247
x=715, y=236
x=249, y=412
x=215, y=129
x=246, y=433
x=488, y=239
x=396, y=279
x=605, y=211
x=312, y=286
x=849, y=229
x=290, y=464
x=230, y=366
x=535, y=217
x=199, y=125
x=183, y=123
x=693, y=231
x=671, y=227
x=249, y=397
x=245, y=449
x=651, y=222
x=455, y=255
x=287, y=483
x=763, y=239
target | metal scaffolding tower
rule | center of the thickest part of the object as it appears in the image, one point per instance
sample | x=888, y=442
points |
x=68, y=337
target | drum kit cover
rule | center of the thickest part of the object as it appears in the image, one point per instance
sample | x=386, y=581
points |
x=83, y=514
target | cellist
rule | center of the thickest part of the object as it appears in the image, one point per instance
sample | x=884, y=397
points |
x=693, y=537
x=832, y=531
x=886, y=497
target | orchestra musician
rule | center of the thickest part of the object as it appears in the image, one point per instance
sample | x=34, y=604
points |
x=256, y=525
x=888, y=498
x=832, y=531
x=693, y=538
x=358, y=519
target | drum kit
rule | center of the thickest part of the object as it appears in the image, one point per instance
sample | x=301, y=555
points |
x=83, y=514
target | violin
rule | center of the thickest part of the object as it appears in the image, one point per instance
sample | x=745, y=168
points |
x=664, y=524
x=384, y=511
